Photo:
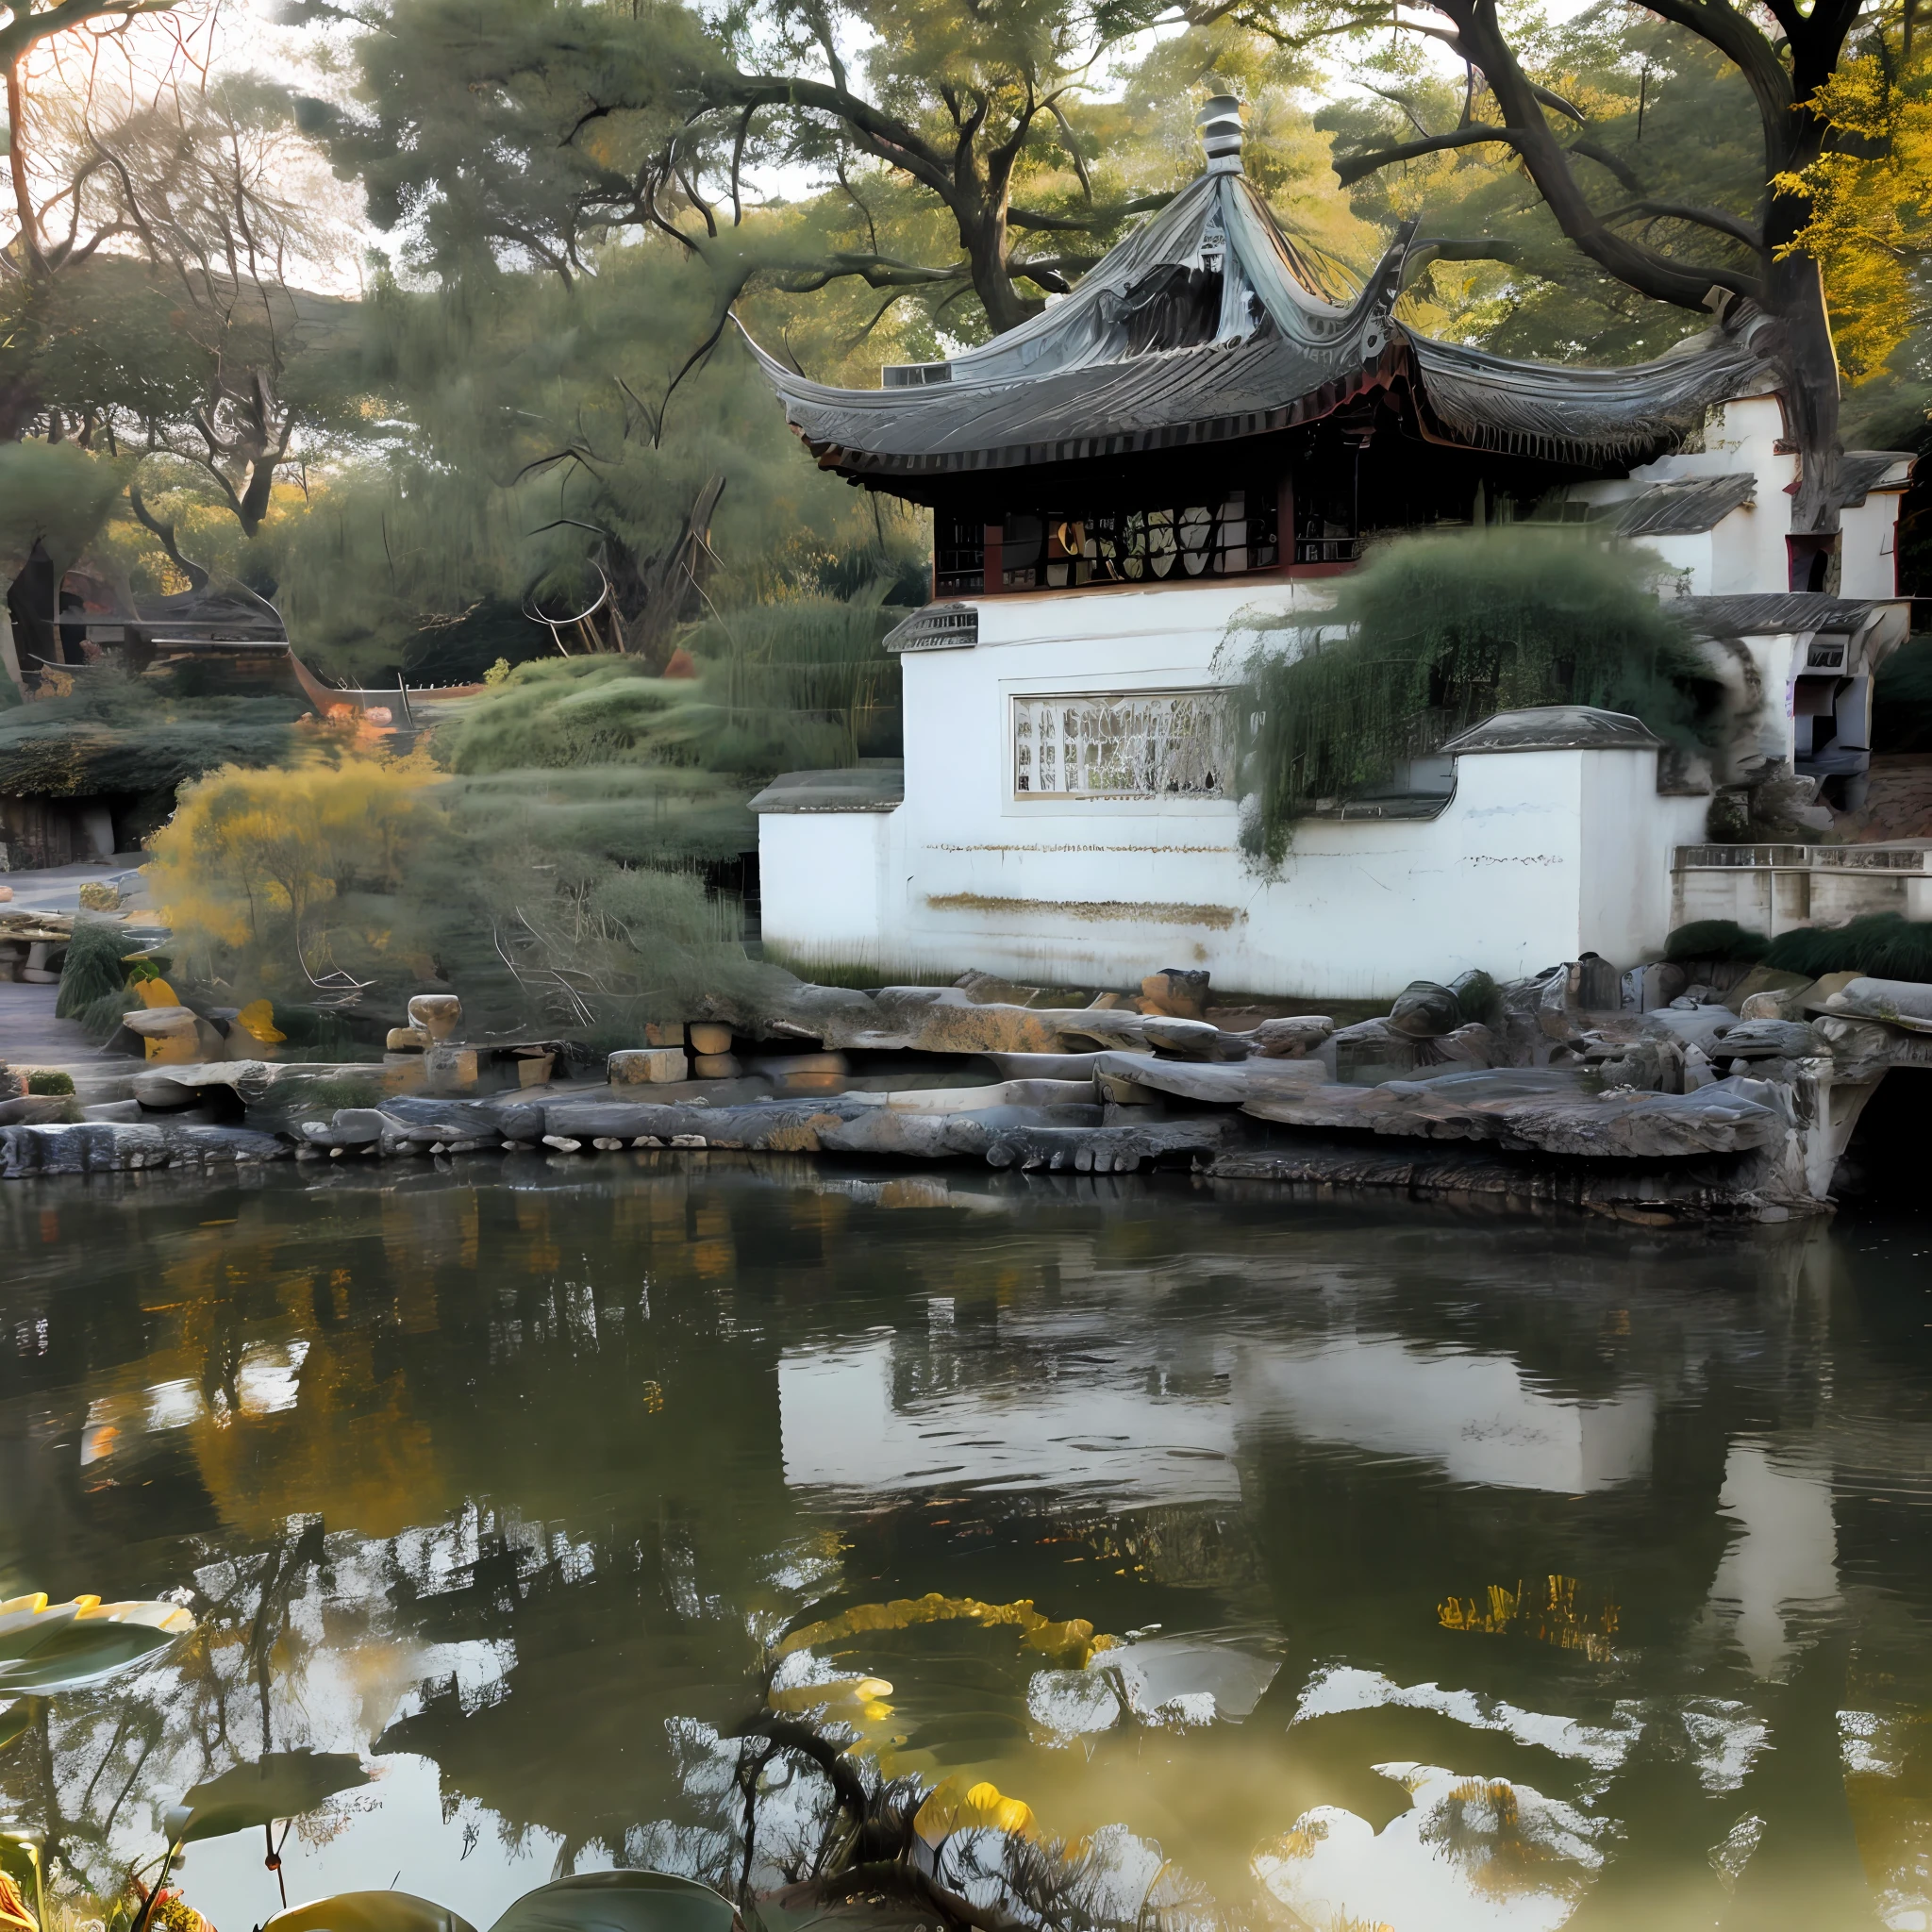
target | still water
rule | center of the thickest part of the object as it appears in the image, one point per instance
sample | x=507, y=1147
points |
x=1465, y=1573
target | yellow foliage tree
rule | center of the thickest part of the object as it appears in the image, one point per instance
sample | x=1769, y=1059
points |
x=1871, y=226
x=290, y=876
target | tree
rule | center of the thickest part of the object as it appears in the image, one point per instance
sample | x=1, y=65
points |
x=185, y=341
x=519, y=129
x=527, y=444
x=1512, y=281
x=1694, y=253
x=1871, y=203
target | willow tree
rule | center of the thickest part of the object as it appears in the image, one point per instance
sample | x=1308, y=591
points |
x=1690, y=251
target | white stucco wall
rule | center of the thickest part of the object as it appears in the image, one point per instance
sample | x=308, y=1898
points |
x=822, y=882
x=1746, y=551
x=1868, y=545
x=1538, y=856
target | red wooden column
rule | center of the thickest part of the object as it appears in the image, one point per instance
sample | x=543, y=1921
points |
x=994, y=569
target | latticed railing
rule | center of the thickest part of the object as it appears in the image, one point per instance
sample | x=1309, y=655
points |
x=1057, y=549
x=1804, y=857
x=1137, y=744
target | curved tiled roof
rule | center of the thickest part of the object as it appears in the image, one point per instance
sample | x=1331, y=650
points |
x=1206, y=325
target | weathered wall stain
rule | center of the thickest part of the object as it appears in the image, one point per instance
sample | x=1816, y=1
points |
x=1216, y=849
x=1093, y=910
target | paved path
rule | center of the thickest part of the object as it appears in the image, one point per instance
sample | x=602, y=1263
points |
x=30, y=1036
x=59, y=889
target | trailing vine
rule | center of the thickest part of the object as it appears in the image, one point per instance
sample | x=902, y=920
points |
x=1435, y=634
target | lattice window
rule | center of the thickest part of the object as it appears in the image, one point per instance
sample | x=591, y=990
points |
x=1121, y=744
x=1050, y=550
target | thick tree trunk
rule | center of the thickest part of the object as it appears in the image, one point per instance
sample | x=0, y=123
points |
x=1809, y=363
x=1790, y=291
x=1796, y=290
x=986, y=243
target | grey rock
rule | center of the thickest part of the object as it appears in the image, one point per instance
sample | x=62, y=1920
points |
x=1193, y=1039
x=1372, y=1051
x=1111, y=1149
x=1423, y=1010
x=1214, y=1085
x=115, y=1147
x=1702, y=1025
x=35, y=1109
x=935, y=1019
x=1902, y=1003
x=1689, y=1191
x=1290, y=1039
x=1761, y=1039
x=1550, y=1110
x=1865, y=1049
x=1042, y=1066
x=1179, y=990
x=1081, y=1092
x=913, y=1136
x=519, y=1121
x=1472, y=1044
x=162, y=1092
x=113, y=1110
x=989, y=990
x=426, y=1118
x=1654, y=1065
x=779, y=1127
x=348, y=1127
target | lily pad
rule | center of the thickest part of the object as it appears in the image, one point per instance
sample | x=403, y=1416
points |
x=45, y=1648
x=284, y=1784
x=619, y=1902
x=369, y=1911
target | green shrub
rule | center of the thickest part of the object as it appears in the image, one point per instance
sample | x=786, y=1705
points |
x=1715, y=938
x=95, y=965
x=1435, y=634
x=117, y=734
x=45, y=1080
x=1882, y=944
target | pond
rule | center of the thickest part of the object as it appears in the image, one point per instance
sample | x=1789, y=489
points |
x=1458, y=1571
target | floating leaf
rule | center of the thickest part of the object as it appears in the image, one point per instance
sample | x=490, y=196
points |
x=863, y=1691
x=369, y=1911
x=50, y=1647
x=619, y=1902
x=978, y=1808
x=1069, y=1644
x=284, y=1784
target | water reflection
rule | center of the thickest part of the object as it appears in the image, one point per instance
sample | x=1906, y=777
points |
x=1458, y=1574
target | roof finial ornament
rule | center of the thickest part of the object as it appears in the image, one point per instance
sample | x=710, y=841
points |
x=1219, y=124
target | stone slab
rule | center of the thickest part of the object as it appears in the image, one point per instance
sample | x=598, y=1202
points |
x=115, y=1147
x=1552, y=1115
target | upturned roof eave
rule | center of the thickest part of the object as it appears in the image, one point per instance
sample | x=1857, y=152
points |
x=1057, y=391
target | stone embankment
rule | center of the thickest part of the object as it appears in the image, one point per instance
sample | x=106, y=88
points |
x=1733, y=1104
